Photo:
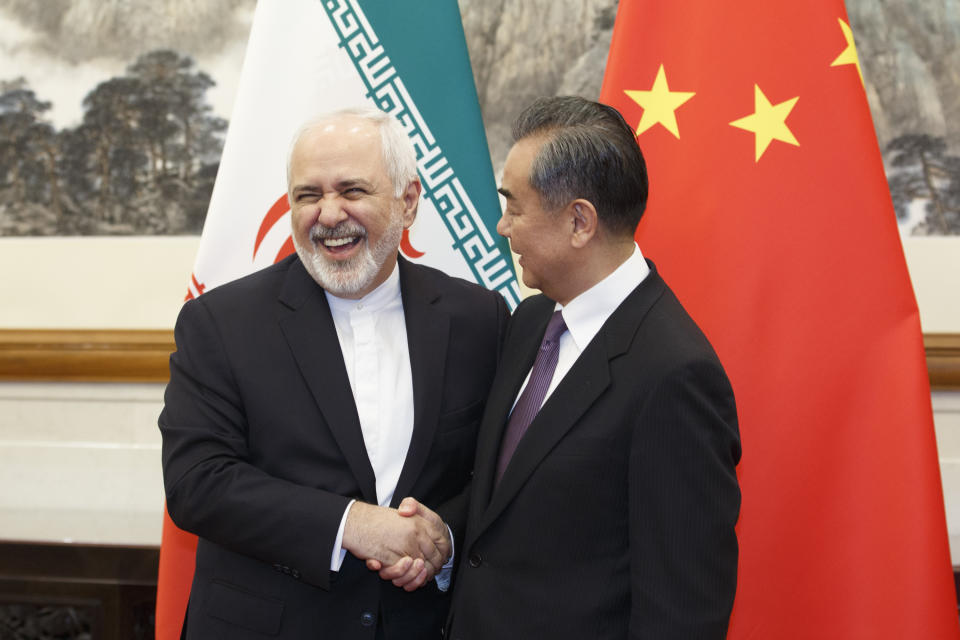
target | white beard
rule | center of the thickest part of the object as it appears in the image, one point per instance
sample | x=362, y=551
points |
x=345, y=278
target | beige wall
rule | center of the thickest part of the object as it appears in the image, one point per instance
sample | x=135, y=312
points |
x=934, y=264
x=139, y=283
x=94, y=283
x=946, y=417
x=81, y=462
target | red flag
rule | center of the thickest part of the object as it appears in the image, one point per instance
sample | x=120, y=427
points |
x=770, y=217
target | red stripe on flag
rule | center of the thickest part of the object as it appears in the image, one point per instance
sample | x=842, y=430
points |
x=285, y=250
x=196, y=285
x=276, y=211
x=177, y=558
x=407, y=248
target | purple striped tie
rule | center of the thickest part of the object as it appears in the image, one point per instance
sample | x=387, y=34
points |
x=533, y=394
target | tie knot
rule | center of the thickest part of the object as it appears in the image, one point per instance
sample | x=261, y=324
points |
x=555, y=328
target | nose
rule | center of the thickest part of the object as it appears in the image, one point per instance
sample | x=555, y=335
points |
x=330, y=213
x=503, y=226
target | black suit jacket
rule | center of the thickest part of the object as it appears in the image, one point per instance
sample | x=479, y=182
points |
x=615, y=517
x=262, y=450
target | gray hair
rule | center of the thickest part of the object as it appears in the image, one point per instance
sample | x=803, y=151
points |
x=589, y=152
x=399, y=156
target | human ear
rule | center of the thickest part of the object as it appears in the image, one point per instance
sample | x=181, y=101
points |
x=584, y=216
x=411, y=199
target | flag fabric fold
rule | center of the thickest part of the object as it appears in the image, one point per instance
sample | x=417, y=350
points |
x=770, y=217
x=307, y=56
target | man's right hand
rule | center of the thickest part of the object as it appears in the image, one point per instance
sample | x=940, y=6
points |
x=409, y=573
x=381, y=534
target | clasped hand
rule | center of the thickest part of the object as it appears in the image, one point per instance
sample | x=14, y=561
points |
x=407, y=545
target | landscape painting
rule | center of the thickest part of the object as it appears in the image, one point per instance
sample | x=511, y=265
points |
x=108, y=113
x=113, y=113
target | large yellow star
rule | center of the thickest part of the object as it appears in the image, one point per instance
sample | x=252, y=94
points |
x=848, y=55
x=659, y=104
x=768, y=121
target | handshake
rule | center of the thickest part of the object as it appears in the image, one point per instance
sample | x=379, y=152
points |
x=408, y=545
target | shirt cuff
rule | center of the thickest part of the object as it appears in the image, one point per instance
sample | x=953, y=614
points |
x=339, y=553
x=446, y=571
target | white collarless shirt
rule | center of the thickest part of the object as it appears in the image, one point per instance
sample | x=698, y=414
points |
x=373, y=340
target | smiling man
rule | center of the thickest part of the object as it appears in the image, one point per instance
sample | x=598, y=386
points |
x=348, y=218
x=308, y=399
x=605, y=496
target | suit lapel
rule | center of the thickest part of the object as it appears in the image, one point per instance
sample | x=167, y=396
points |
x=312, y=336
x=428, y=331
x=514, y=365
x=584, y=383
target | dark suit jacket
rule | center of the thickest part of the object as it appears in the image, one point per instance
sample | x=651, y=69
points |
x=262, y=450
x=615, y=517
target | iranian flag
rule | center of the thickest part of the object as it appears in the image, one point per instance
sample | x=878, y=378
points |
x=407, y=58
x=770, y=217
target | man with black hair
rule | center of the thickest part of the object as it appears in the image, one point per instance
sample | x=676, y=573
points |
x=605, y=495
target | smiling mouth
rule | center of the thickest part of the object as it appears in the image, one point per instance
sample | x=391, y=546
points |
x=336, y=243
x=340, y=245
x=339, y=240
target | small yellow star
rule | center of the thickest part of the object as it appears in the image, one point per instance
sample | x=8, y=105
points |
x=659, y=104
x=768, y=122
x=848, y=55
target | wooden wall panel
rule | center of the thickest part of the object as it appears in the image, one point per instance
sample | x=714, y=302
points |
x=142, y=356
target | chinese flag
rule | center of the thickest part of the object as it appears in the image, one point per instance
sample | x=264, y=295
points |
x=770, y=217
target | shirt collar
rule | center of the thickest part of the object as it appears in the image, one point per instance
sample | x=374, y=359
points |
x=386, y=294
x=585, y=314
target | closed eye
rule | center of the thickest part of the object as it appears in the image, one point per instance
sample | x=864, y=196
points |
x=354, y=193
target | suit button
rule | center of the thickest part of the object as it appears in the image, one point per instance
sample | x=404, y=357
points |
x=295, y=574
x=367, y=619
x=475, y=560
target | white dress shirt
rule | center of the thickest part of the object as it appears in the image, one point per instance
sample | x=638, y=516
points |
x=586, y=314
x=373, y=340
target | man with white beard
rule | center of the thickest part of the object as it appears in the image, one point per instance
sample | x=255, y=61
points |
x=308, y=399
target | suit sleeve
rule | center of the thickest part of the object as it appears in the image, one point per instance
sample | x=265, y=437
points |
x=454, y=511
x=684, y=503
x=212, y=487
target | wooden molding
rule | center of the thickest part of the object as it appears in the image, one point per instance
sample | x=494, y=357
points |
x=943, y=360
x=101, y=355
x=90, y=355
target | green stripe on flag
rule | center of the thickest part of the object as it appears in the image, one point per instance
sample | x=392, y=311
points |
x=412, y=57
